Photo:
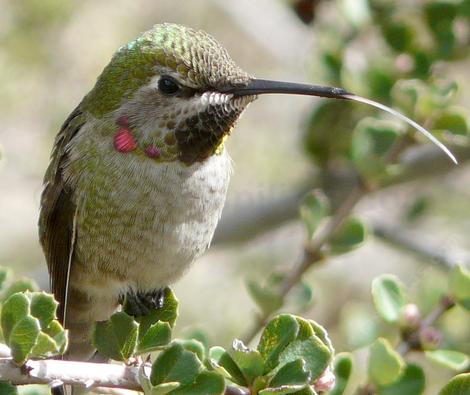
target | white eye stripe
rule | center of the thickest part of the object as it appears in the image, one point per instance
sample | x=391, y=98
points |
x=214, y=98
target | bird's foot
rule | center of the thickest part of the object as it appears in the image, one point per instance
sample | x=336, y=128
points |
x=142, y=303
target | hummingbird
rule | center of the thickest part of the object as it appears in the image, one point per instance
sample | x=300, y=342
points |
x=139, y=173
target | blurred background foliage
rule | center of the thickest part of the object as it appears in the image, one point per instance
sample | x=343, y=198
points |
x=409, y=54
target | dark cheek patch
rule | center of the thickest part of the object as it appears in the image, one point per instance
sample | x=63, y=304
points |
x=199, y=136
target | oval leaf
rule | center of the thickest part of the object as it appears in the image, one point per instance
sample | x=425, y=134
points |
x=221, y=361
x=292, y=373
x=313, y=209
x=460, y=286
x=158, y=335
x=14, y=309
x=279, y=332
x=206, y=383
x=314, y=353
x=43, y=307
x=23, y=338
x=454, y=360
x=349, y=236
x=117, y=337
x=250, y=362
x=459, y=385
x=385, y=364
x=175, y=364
x=389, y=297
x=411, y=382
x=342, y=368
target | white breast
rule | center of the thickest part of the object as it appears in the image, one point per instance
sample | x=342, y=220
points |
x=142, y=222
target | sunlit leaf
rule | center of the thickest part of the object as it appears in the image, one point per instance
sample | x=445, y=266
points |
x=385, y=364
x=454, y=360
x=389, y=297
x=459, y=385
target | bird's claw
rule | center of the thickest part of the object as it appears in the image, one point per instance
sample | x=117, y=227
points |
x=142, y=303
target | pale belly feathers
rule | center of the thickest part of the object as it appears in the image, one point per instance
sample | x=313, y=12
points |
x=140, y=223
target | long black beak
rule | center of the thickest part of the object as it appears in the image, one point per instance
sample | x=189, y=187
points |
x=260, y=87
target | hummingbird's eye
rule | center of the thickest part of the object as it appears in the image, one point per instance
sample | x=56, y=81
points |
x=168, y=85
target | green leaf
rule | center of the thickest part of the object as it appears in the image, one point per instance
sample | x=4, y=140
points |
x=453, y=121
x=206, y=383
x=335, y=117
x=372, y=139
x=23, y=338
x=43, y=307
x=313, y=209
x=284, y=390
x=342, y=368
x=162, y=389
x=156, y=336
x=349, y=236
x=460, y=286
x=193, y=345
x=5, y=277
x=306, y=329
x=321, y=332
x=454, y=360
x=315, y=354
x=175, y=364
x=167, y=313
x=117, y=337
x=389, y=297
x=279, y=332
x=45, y=347
x=292, y=373
x=250, y=362
x=267, y=298
x=385, y=364
x=222, y=362
x=57, y=332
x=411, y=382
x=21, y=285
x=14, y=309
x=7, y=388
x=399, y=35
x=197, y=334
x=458, y=385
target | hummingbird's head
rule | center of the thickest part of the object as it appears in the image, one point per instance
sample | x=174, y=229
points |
x=174, y=93
x=166, y=90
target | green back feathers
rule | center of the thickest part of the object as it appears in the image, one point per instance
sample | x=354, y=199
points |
x=195, y=57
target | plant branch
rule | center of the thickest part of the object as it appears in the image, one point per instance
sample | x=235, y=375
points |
x=98, y=377
x=417, y=244
x=72, y=373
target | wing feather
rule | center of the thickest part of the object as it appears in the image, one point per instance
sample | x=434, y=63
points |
x=57, y=230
